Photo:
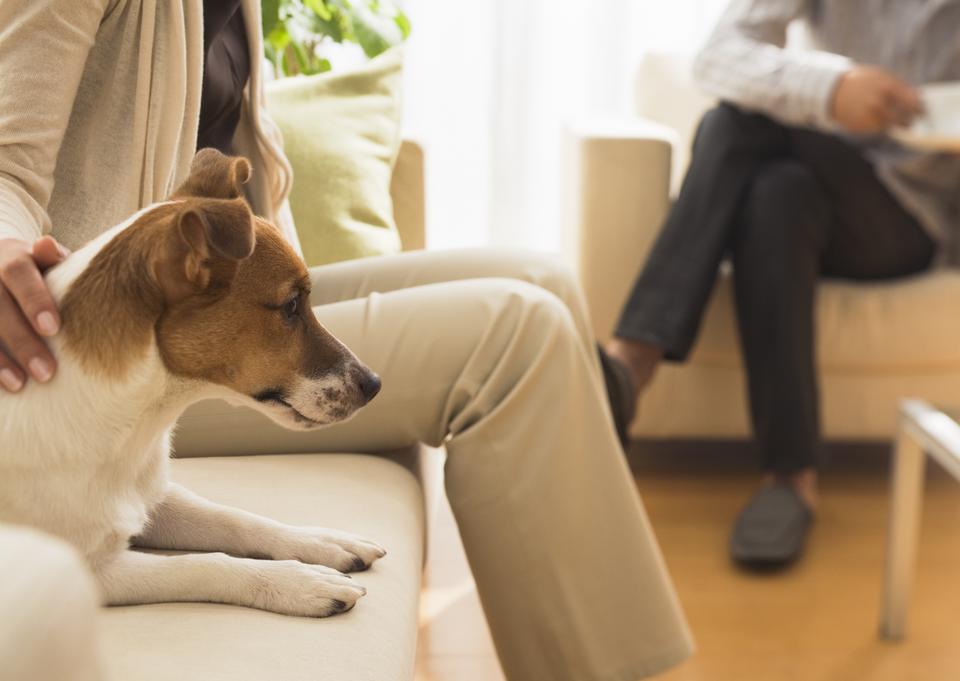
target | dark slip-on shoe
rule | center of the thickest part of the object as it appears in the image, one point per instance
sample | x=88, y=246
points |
x=621, y=393
x=772, y=528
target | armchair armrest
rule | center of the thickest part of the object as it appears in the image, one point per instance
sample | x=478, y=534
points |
x=407, y=191
x=618, y=178
x=49, y=603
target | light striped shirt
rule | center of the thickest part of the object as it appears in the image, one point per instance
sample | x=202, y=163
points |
x=747, y=61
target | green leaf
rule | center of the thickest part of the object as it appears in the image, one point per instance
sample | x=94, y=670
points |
x=303, y=60
x=270, y=14
x=320, y=8
x=295, y=29
x=337, y=27
x=370, y=39
x=403, y=23
x=278, y=38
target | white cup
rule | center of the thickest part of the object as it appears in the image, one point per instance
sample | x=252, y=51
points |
x=942, y=104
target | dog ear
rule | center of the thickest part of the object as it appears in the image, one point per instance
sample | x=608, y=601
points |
x=208, y=240
x=216, y=176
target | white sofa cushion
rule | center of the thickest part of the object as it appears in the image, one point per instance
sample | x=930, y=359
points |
x=376, y=641
x=895, y=327
x=877, y=343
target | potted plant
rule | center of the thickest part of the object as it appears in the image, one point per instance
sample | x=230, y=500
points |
x=302, y=36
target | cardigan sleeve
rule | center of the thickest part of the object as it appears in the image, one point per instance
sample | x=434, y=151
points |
x=745, y=62
x=43, y=51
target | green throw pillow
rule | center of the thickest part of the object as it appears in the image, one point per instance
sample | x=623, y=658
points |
x=341, y=132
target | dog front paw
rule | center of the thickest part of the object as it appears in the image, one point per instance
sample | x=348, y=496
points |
x=340, y=550
x=290, y=587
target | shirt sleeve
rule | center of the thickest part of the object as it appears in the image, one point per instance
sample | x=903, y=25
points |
x=745, y=62
x=43, y=50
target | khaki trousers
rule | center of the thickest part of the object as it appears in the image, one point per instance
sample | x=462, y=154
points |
x=490, y=354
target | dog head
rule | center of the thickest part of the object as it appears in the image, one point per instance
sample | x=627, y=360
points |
x=229, y=301
x=238, y=309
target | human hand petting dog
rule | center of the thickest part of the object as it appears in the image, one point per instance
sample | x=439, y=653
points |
x=27, y=311
x=871, y=100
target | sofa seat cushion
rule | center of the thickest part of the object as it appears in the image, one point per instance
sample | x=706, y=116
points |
x=376, y=641
x=902, y=326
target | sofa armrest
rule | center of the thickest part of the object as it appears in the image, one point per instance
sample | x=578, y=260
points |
x=618, y=194
x=48, y=630
x=407, y=191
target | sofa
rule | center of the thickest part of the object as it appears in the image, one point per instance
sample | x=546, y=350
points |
x=53, y=629
x=876, y=342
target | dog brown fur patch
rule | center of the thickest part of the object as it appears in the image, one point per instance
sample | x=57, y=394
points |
x=109, y=311
x=173, y=252
x=243, y=341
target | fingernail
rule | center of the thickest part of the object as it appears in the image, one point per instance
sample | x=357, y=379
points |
x=40, y=369
x=47, y=323
x=10, y=380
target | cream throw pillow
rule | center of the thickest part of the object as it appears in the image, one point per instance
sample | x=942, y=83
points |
x=341, y=132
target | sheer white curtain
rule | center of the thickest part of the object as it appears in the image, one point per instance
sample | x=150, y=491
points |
x=489, y=87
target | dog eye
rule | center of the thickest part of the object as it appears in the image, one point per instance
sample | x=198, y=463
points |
x=290, y=308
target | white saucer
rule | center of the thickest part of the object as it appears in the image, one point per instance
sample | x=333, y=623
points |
x=927, y=141
x=939, y=128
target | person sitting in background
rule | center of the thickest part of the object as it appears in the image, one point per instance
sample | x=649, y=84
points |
x=793, y=177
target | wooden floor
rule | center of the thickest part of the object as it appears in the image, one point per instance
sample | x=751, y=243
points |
x=814, y=622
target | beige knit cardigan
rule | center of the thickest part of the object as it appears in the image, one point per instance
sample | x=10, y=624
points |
x=99, y=108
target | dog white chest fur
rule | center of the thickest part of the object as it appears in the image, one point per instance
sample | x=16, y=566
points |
x=85, y=458
x=149, y=311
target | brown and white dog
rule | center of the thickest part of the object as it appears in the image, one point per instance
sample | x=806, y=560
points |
x=188, y=299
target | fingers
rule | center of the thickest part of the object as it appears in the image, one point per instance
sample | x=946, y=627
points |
x=11, y=377
x=22, y=280
x=884, y=111
x=908, y=97
x=27, y=312
x=47, y=252
x=870, y=100
x=902, y=103
x=22, y=344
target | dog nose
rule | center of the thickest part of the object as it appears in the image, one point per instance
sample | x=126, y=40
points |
x=369, y=385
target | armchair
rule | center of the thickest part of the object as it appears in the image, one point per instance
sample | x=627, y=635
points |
x=876, y=342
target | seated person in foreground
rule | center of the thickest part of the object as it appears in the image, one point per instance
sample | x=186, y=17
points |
x=487, y=354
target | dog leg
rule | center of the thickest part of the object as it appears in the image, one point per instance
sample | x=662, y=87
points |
x=286, y=587
x=188, y=522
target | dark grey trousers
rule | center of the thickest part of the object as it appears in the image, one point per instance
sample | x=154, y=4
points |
x=788, y=206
